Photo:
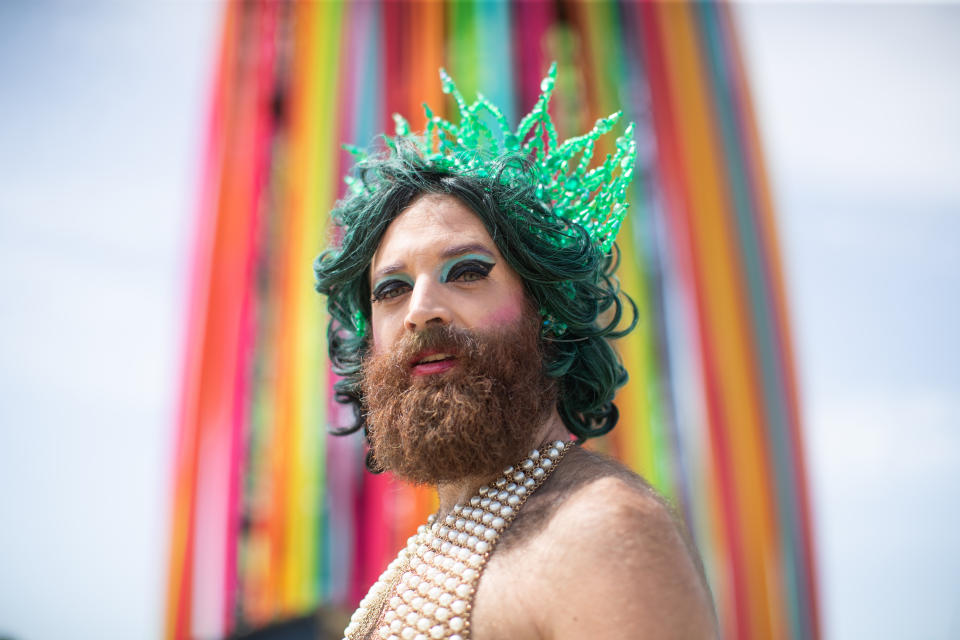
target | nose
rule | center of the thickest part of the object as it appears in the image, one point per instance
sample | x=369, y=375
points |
x=428, y=305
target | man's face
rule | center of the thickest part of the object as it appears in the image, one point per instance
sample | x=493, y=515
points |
x=437, y=266
x=454, y=384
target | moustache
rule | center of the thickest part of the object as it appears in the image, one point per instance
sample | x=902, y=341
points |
x=462, y=345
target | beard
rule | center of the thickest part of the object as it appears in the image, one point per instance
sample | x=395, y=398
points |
x=471, y=420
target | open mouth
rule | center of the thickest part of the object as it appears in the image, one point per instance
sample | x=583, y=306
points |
x=433, y=362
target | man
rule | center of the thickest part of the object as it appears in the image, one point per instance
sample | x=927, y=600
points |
x=471, y=299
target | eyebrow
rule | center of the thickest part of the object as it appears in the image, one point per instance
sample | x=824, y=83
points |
x=449, y=252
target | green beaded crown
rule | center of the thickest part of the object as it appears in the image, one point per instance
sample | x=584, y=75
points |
x=593, y=198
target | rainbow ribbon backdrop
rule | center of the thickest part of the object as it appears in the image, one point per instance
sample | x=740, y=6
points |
x=272, y=517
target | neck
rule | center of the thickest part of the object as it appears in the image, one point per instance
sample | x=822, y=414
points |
x=459, y=491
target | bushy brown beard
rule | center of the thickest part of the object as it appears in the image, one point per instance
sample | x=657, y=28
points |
x=471, y=420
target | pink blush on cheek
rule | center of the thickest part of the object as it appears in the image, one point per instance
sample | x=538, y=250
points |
x=507, y=314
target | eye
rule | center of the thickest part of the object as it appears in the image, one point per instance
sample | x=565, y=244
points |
x=389, y=289
x=469, y=271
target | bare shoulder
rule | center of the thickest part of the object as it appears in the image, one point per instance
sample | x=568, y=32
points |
x=616, y=562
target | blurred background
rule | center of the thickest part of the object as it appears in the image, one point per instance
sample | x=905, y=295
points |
x=105, y=129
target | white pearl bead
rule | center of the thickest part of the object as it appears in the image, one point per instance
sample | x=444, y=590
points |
x=472, y=542
x=513, y=500
x=463, y=590
x=474, y=501
x=460, y=522
x=450, y=583
x=495, y=507
x=417, y=603
x=500, y=482
x=449, y=520
x=420, y=636
x=490, y=534
x=390, y=616
x=436, y=593
x=534, y=454
x=506, y=512
x=554, y=453
x=455, y=636
x=483, y=547
x=436, y=632
x=529, y=483
x=409, y=595
x=475, y=560
x=470, y=526
x=487, y=517
x=423, y=624
x=462, y=538
x=396, y=625
x=395, y=602
x=411, y=618
x=403, y=610
x=518, y=476
x=445, y=600
x=469, y=575
x=456, y=624
x=445, y=547
x=444, y=530
x=538, y=473
x=424, y=588
x=483, y=490
x=428, y=556
x=527, y=465
x=452, y=536
x=558, y=444
x=408, y=633
x=502, y=496
x=521, y=491
x=508, y=471
x=457, y=508
x=429, y=608
x=448, y=563
x=498, y=523
x=458, y=568
x=485, y=503
x=442, y=614
x=458, y=607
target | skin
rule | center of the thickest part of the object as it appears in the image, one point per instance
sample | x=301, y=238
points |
x=595, y=553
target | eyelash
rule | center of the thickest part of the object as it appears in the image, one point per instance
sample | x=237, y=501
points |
x=476, y=267
x=395, y=288
x=389, y=290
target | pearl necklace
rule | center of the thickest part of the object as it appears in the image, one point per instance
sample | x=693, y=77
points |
x=429, y=587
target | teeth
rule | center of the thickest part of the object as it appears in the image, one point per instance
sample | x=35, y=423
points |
x=435, y=357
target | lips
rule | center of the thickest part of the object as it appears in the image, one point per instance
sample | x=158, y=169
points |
x=432, y=362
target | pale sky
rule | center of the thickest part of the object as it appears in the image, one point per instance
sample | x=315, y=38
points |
x=859, y=107
x=101, y=118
